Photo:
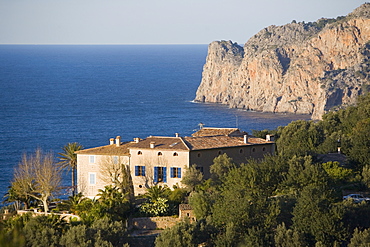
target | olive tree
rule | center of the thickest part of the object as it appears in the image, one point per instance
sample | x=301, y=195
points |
x=114, y=171
x=37, y=176
x=192, y=178
x=360, y=238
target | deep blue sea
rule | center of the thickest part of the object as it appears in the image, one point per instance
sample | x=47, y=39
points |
x=54, y=94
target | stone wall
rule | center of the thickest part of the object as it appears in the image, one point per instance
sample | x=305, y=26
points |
x=185, y=211
x=153, y=223
x=64, y=216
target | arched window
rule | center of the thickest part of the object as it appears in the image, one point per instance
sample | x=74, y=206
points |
x=219, y=152
x=175, y=154
x=253, y=150
x=159, y=153
x=199, y=155
x=264, y=149
x=241, y=151
x=139, y=153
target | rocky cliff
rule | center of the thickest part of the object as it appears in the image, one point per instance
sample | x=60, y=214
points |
x=303, y=68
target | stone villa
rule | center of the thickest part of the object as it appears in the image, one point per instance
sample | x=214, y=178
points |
x=164, y=160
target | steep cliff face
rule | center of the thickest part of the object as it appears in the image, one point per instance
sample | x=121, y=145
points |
x=305, y=68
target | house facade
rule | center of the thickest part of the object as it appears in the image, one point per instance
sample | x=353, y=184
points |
x=101, y=166
x=164, y=160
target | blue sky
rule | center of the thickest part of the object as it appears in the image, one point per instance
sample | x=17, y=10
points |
x=154, y=21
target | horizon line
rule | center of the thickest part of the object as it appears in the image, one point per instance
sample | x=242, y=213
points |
x=104, y=44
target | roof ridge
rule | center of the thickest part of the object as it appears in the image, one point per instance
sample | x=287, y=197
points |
x=122, y=144
x=85, y=149
x=219, y=128
x=162, y=137
x=183, y=141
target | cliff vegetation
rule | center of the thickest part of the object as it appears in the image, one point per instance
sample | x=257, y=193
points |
x=303, y=68
x=294, y=198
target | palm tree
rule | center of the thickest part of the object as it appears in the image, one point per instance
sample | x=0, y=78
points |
x=73, y=202
x=68, y=160
x=113, y=203
x=111, y=195
x=16, y=198
x=155, y=192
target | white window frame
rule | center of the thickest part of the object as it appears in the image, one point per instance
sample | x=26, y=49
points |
x=90, y=176
x=115, y=160
x=92, y=159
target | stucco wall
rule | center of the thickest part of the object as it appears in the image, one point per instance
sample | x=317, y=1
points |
x=85, y=168
x=150, y=158
x=204, y=158
x=155, y=157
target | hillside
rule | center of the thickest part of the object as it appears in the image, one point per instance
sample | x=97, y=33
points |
x=303, y=68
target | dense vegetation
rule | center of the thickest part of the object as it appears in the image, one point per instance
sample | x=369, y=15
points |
x=291, y=199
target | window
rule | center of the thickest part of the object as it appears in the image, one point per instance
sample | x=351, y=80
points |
x=175, y=172
x=241, y=151
x=199, y=155
x=160, y=174
x=175, y=154
x=159, y=153
x=92, y=159
x=139, y=170
x=92, y=178
x=115, y=159
x=219, y=152
x=139, y=153
x=253, y=150
x=264, y=149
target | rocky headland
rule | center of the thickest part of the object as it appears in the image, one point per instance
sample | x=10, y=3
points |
x=303, y=68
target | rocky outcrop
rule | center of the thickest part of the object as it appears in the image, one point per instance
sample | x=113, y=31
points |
x=303, y=68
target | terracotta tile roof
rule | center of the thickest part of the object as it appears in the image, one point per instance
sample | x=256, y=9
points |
x=209, y=138
x=108, y=149
x=206, y=131
x=210, y=142
x=164, y=143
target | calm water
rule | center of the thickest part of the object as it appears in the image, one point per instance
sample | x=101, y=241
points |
x=52, y=95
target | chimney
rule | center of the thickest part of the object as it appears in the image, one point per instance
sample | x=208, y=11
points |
x=177, y=134
x=338, y=146
x=270, y=138
x=111, y=141
x=152, y=144
x=245, y=139
x=118, y=141
x=136, y=139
